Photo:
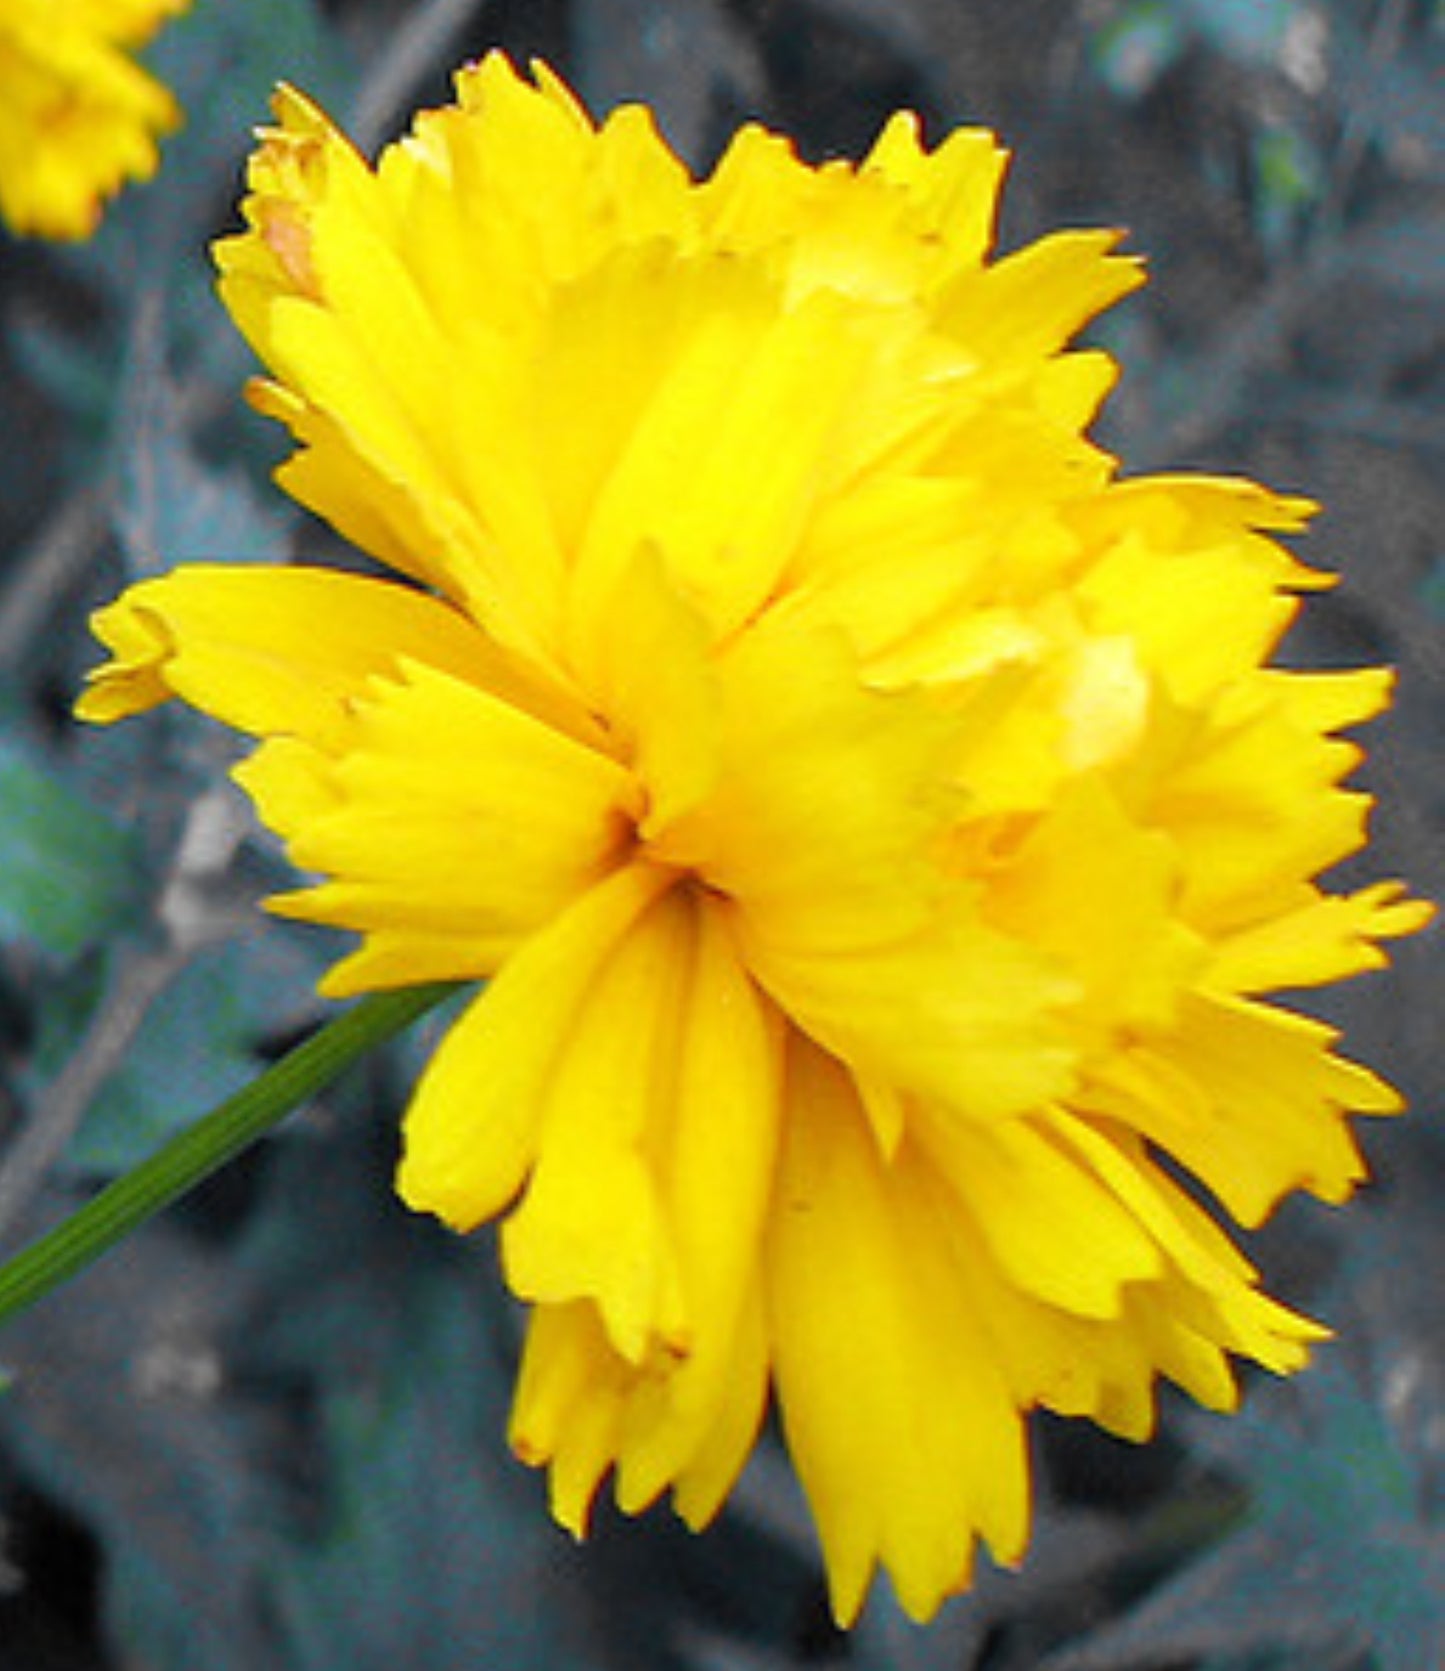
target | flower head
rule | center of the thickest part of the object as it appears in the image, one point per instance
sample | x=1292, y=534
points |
x=78, y=115
x=878, y=823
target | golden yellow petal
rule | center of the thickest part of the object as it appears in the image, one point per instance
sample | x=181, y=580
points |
x=735, y=1412
x=1053, y=1228
x=592, y=1223
x=1101, y=894
x=664, y=1415
x=1326, y=939
x=952, y=191
x=470, y=1135
x=1182, y=1320
x=858, y=936
x=1248, y=794
x=1028, y=305
x=418, y=839
x=1261, y=1112
x=905, y=1434
x=567, y=1410
x=713, y=1161
x=654, y=678
x=267, y=650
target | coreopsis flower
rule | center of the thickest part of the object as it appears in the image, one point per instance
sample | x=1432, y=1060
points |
x=878, y=823
x=78, y=115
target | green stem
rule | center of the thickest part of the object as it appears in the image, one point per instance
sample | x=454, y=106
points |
x=208, y=1144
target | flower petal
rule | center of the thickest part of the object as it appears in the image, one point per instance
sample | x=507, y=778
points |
x=1054, y=1229
x=265, y=649
x=591, y=1224
x=715, y=1165
x=823, y=835
x=472, y=1128
x=681, y=1417
x=906, y=1437
x=568, y=1408
x=417, y=840
x=1326, y=939
x=1249, y=1098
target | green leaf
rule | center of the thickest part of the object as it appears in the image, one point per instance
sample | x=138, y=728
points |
x=69, y=874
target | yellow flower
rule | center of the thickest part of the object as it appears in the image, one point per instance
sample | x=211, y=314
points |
x=877, y=822
x=78, y=115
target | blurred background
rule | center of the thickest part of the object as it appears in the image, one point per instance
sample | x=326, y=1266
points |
x=268, y=1433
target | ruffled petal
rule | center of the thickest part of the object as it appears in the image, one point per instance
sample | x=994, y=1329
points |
x=905, y=1433
x=270, y=650
x=715, y=1161
x=820, y=834
x=567, y=1415
x=622, y=1209
x=685, y=1412
x=1326, y=939
x=1181, y=1302
x=1250, y=1098
x=416, y=841
x=592, y=1224
x=471, y=1131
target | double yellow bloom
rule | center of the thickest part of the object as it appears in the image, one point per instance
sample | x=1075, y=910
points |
x=78, y=116
x=877, y=822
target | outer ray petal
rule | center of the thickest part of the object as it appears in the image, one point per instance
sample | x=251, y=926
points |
x=714, y=1161
x=333, y=296
x=1054, y=1229
x=906, y=1437
x=1249, y=795
x=1027, y=306
x=591, y=1224
x=417, y=840
x=952, y=190
x=472, y=1128
x=568, y=1407
x=1326, y=939
x=723, y=1406
x=1249, y=1098
x=1182, y=1319
x=271, y=650
x=689, y=1418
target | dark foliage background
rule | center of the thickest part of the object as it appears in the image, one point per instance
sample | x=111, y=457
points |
x=269, y=1432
